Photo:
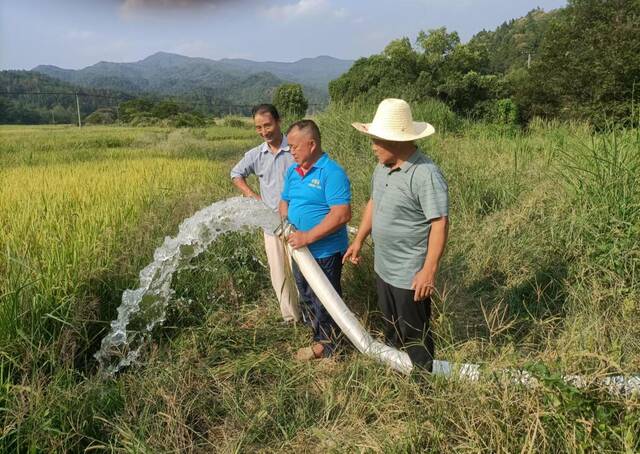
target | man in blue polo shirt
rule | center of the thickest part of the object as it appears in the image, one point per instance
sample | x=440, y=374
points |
x=316, y=198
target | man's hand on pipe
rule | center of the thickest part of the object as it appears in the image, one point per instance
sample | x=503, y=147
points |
x=299, y=239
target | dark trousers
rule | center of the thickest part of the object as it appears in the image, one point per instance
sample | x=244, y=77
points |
x=407, y=322
x=314, y=314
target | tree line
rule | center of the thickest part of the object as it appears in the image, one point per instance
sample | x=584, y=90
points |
x=28, y=97
x=579, y=62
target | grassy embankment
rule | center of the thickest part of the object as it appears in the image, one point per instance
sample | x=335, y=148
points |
x=541, y=272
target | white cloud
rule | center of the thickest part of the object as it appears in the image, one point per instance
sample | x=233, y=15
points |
x=341, y=13
x=134, y=8
x=139, y=4
x=298, y=9
x=305, y=8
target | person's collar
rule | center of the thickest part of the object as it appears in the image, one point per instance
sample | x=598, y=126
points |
x=284, y=145
x=405, y=166
x=410, y=162
x=320, y=163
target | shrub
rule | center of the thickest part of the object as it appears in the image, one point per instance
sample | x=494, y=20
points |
x=143, y=120
x=188, y=120
x=234, y=122
x=166, y=109
x=290, y=101
x=135, y=108
x=506, y=112
x=104, y=116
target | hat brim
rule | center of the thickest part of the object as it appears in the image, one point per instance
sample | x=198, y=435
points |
x=420, y=131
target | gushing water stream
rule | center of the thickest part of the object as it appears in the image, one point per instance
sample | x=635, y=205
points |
x=145, y=307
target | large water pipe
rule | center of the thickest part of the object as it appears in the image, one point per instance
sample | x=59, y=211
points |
x=396, y=359
x=344, y=318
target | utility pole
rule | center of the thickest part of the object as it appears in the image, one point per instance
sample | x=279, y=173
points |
x=529, y=61
x=78, y=106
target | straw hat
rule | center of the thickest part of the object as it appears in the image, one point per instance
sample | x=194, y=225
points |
x=393, y=121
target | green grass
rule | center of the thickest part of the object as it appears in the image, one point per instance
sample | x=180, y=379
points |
x=541, y=272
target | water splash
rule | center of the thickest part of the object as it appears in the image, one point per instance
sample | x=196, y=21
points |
x=144, y=308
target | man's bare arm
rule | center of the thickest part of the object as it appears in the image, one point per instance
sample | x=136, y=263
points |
x=338, y=216
x=283, y=209
x=366, y=224
x=241, y=184
x=424, y=280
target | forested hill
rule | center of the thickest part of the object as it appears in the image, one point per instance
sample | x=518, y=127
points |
x=46, y=107
x=233, y=81
x=514, y=43
x=581, y=62
x=207, y=86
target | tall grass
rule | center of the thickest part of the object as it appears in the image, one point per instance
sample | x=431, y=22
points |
x=540, y=273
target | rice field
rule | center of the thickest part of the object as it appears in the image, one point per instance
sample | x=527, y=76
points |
x=541, y=273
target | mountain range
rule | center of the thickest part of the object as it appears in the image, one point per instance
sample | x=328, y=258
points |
x=234, y=81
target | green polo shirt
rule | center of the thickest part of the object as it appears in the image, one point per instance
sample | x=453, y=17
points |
x=405, y=200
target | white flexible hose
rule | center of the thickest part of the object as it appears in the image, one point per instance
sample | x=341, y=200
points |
x=343, y=317
x=398, y=360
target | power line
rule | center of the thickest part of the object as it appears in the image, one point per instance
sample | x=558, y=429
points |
x=131, y=97
x=18, y=93
x=210, y=105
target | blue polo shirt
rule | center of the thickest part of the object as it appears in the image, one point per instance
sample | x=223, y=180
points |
x=310, y=198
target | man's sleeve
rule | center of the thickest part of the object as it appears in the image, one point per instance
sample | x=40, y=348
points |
x=433, y=193
x=285, y=189
x=246, y=166
x=337, y=188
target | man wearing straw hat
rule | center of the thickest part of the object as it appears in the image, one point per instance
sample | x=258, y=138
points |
x=269, y=161
x=407, y=216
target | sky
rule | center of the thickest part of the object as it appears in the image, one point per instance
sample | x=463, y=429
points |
x=78, y=33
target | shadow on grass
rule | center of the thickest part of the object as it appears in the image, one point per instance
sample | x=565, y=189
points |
x=539, y=297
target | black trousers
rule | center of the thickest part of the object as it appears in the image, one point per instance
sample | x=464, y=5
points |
x=314, y=314
x=407, y=322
